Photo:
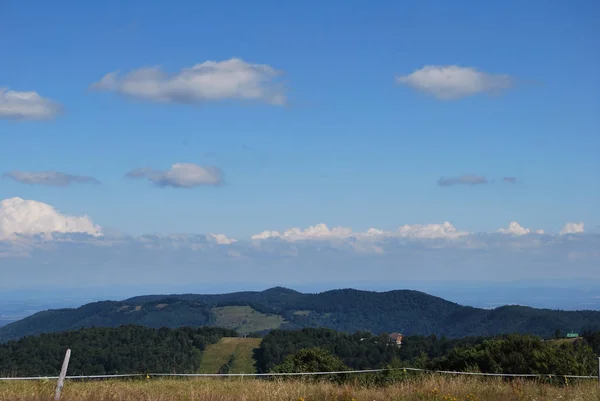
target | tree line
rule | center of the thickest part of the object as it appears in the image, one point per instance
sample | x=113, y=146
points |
x=125, y=349
x=138, y=349
x=514, y=353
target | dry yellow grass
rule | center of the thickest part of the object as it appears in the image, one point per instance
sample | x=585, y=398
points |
x=424, y=389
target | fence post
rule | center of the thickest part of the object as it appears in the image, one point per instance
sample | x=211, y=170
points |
x=61, y=378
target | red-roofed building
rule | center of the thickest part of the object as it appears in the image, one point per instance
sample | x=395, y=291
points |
x=396, y=338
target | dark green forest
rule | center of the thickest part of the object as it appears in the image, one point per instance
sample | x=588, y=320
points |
x=409, y=312
x=127, y=349
x=361, y=350
x=137, y=349
x=514, y=353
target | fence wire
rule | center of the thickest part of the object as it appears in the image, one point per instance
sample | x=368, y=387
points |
x=342, y=372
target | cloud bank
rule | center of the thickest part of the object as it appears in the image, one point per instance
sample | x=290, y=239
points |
x=180, y=175
x=38, y=244
x=49, y=178
x=204, y=82
x=26, y=106
x=453, y=82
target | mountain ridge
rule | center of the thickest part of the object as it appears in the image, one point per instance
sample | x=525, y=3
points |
x=349, y=310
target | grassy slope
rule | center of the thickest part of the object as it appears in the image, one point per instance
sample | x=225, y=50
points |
x=244, y=355
x=424, y=388
x=244, y=319
x=217, y=355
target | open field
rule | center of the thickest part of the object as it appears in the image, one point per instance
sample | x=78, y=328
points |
x=243, y=362
x=244, y=319
x=238, y=349
x=429, y=388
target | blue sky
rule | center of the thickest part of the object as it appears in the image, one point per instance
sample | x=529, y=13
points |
x=351, y=147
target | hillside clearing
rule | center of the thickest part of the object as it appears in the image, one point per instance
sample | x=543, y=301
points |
x=238, y=350
x=244, y=319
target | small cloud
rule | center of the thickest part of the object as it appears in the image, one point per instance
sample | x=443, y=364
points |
x=572, y=228
x=454, y=82
x=180, y=175
x=319, y=231
x=511, y=180
x=207, y=81
x=49, y=178
x=28, y=217
x=468, y=179
x=445, y=230
x=221, y=239
x=322, y=232
x=26, y=106
x=515, y=228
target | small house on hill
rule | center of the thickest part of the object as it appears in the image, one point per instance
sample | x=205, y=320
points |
x=396, y=338
x=572, y=335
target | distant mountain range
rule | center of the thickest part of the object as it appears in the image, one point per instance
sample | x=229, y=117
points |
x=409, y=312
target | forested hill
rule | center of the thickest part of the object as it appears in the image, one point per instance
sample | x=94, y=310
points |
x=348, y=310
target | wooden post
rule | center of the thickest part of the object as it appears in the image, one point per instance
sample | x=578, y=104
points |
x=61, y=378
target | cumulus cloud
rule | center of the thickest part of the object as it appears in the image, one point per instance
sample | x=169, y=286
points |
x=572, y=228
x=322, y=232
x=180, y=175
x=49, y=178
x=468, y=179
x=26, y=106
x=28, y=217
x=445, y=230
x=207, y=81
x=319, y=231
x=454, y=82
x=221, y=239
x=514, y=228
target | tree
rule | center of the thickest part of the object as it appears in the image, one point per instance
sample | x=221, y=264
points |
x=312, y=360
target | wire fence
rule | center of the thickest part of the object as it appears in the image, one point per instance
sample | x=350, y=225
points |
x=342, y=372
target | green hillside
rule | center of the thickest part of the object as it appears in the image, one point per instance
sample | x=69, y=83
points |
x=409, y=312
x=235, y=352
x=245, y=320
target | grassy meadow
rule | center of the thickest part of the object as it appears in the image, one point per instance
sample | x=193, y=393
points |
x=239, y=350
x=244, y=319
x=424, y=388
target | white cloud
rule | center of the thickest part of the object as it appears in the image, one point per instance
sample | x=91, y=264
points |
x=319, y=231
x=572, y=228
x=322, y=232
x=180, y=175
x=26, y=106
x=221, y=239
x=454, y=82
x=445, y=230
x=515, y=228
x=28, y=217
x=207, y=81
x=49, y=178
